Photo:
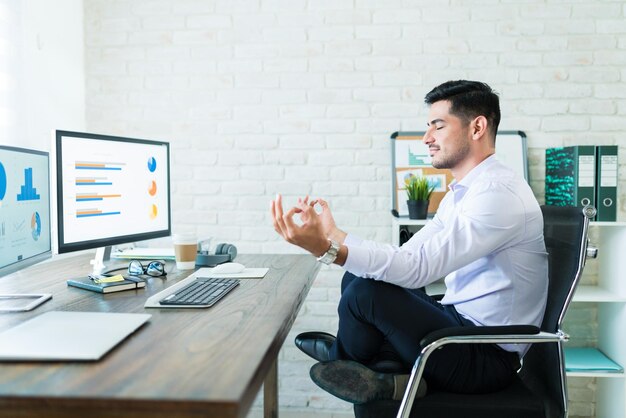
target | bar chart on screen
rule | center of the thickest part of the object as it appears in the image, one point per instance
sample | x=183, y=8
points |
x=28, y=191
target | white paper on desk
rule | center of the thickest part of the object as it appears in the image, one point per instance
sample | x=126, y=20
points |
x=145, y=253
x=247, y=273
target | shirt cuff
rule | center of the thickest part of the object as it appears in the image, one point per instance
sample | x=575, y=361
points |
x=352, y=239
x=356, y=261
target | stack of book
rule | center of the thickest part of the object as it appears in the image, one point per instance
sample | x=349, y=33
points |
x=107, y=284
x=583, y=175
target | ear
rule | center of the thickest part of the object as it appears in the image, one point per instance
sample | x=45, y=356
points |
x=479, y=127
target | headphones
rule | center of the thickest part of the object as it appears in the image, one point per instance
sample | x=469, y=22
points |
x=226, y=249
x=223, y=253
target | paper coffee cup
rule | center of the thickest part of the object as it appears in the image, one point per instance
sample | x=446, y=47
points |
x=185, y=249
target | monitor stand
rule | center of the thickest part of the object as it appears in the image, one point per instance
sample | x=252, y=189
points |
x=102, y=254
x=101, y=261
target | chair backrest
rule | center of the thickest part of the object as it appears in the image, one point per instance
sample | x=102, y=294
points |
x=565, y=235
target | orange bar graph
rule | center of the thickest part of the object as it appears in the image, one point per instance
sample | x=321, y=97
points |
x=88, y=212
x=89, y=165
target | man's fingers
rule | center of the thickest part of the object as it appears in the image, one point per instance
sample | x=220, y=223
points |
x=275, y=218
x=272, y=210
x=284, y=223
x=301, y=205
x=279, y=206
x=309, y=210
x=279, y=223
x=289, y=225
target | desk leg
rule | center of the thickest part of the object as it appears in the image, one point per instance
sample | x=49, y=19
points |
x=270, y=392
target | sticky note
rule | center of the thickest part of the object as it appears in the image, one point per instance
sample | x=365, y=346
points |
x=111, y=279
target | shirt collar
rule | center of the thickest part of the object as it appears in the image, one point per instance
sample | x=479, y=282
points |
x=470, y=177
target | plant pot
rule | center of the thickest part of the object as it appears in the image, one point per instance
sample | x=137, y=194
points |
x=418, y=209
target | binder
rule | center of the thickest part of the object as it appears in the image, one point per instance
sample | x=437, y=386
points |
x=606, y=183
x=570, y=176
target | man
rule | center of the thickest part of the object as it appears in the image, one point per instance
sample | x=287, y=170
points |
x=486, y=240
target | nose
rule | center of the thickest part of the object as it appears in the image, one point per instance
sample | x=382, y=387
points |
x=428, y=137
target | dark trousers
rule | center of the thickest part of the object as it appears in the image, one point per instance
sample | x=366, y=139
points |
x=378, y=320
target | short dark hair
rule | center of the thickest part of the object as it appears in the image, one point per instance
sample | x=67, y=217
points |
x=468, y=99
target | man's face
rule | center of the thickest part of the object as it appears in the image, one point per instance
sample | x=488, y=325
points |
x=447, y=137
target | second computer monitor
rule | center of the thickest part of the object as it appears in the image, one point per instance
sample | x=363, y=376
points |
x=110, y=190
x=24, y=208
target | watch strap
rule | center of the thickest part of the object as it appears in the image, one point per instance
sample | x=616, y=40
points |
x=331, y=254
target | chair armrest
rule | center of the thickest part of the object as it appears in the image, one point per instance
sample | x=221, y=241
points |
x=510, y=330
x=510, y=334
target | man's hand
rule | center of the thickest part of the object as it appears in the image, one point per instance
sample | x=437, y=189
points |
x=326, y=217
x=311, y=235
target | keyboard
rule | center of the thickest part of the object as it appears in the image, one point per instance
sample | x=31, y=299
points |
x=201, y=291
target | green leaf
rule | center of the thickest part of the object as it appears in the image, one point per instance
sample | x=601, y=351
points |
x=418, y=188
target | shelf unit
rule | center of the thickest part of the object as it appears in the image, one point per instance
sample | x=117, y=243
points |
x=611, y=291
x=610, y=295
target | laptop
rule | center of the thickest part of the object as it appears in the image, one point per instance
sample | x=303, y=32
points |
x=68, y=336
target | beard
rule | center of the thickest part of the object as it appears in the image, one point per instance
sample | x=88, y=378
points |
x=452, y=159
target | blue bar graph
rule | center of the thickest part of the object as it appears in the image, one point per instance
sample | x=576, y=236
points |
x=27, y=191
x=98, y=168
x=88, y=215
x=415, y=159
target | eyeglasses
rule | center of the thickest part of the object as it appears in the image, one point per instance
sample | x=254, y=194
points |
x=154, y=268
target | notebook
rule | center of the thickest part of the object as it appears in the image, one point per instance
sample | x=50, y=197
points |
x=62, y=335
x=589, y=360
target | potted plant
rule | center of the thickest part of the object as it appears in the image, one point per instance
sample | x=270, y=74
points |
x=418, y=192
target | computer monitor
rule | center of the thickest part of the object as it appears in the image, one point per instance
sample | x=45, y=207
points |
x=110, y=190
x=24, y=208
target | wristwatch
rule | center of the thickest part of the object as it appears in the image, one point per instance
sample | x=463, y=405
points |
x=331, y=254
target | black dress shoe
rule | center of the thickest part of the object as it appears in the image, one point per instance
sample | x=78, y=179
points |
x=316, y=344
x=355, y=383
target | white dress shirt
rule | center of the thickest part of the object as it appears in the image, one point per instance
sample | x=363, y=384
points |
x=486, y=240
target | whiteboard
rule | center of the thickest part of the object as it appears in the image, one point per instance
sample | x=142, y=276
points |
x=511, y=151
x=410, y=156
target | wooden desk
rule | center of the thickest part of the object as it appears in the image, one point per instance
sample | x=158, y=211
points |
x=182, y=363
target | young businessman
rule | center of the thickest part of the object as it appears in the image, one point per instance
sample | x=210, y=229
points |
x=486, y=239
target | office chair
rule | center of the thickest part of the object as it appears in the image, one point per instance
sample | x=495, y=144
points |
x=539, y=390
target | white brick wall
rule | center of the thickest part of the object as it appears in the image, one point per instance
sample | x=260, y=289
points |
x=300, y=96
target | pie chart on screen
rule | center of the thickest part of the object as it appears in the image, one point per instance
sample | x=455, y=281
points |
x=35, y=225
x=153, y=212
x=153, y=188
x=151, y=164
x=3, y=182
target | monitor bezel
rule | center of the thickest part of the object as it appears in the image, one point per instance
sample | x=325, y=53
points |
x=63, y=247
x=37, y=258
